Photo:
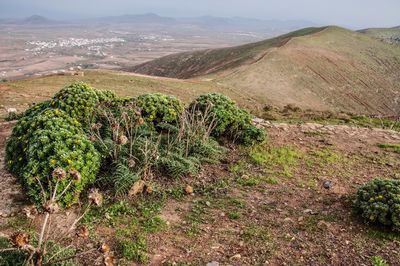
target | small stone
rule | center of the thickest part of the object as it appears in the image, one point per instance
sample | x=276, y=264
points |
x=189, y=189
x=323, y=225
x=236, y=257
x=213, y=263
x=288, y=220
x=327, y=184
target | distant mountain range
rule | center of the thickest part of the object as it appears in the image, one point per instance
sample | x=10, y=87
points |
x=204, y=22
x=32, y=20
x=211, y=22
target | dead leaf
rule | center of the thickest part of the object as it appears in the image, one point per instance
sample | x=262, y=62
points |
x=82, y=231
x=20, y=239
x=59, y=173
x=95, y=197
x=109, y=260
x=30, y=211
x=51, y=206
x=105, y=248
x=137, y=188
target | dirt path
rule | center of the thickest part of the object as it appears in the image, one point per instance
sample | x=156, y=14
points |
x=11, y=196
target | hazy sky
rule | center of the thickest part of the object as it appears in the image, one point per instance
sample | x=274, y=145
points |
x=355, y=13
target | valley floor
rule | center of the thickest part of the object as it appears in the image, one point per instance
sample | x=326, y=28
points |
x=261, y=206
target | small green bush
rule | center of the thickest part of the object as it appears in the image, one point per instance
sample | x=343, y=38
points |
x=230, y=120
x=378, y=202
x=159, y=108
x=229, y=117
x=251, y=135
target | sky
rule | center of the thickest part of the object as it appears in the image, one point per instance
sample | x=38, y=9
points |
x=351, y=13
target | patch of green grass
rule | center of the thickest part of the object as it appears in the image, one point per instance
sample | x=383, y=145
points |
x=238, y=168
x=176, y=193
x=272, y=180
x=196, y=216
x=382, y=234
x=248, y=181
x=133, y=222
x=390, y=147
x=284, y=157
x=153, y=225
x=234, y=215
x=378, y=261
x=256, y=233
x=17, y=222
x=325, y=156
x=133, y=249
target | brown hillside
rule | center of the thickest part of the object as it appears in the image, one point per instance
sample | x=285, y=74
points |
x=320, y=68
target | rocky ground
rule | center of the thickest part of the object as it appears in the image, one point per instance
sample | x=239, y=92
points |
x=287, y=202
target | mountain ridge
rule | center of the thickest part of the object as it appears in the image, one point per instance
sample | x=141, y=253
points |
x=327, y=68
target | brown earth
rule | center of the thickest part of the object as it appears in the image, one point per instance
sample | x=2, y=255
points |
x=290, y=221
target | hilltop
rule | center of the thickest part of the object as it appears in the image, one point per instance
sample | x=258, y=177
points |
x=328, y=68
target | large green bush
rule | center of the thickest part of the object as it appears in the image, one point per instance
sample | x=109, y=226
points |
x=378, y=202
x=43, y=141
x=230, y=120
x=79, y=100
x=50, y=135
x=36, y=118
x=159, y=108
x=61, y=148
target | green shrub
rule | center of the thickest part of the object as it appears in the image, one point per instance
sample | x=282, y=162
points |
x=251, y=135
x=34, y=119
x=229, y=117
x=79, y=99
x=46, y=138
x=159, y=108
x=378, y=202
x=230, y=120
x=51, y=149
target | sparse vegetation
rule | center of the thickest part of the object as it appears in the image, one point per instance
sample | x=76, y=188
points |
x=378, y=261
x=390, y=147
